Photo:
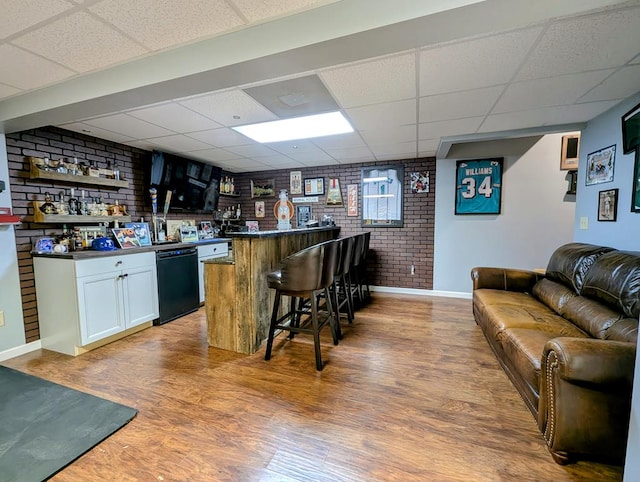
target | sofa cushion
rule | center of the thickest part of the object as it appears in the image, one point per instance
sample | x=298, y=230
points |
x=570, y=263
x=624, y=330
x=591, y=316
x=614, y=279
x=552, y=294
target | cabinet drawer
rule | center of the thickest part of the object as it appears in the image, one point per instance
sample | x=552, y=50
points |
x=89, y=267
x=213, y=250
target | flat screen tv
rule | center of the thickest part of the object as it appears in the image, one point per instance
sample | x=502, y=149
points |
x=631, y=130
x=195, y=185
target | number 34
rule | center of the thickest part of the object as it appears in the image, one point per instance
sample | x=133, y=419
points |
x=485, y=188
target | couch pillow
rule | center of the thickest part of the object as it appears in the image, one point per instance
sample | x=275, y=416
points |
x=591, y=316
x=570, y=263
x=614, y=279
x=552, y=294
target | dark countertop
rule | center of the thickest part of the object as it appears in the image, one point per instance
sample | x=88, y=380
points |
x=274, y=233
x=92, y=254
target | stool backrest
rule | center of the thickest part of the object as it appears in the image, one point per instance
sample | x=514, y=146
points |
x=309, y=269
x=346, y=254
x=357, y=250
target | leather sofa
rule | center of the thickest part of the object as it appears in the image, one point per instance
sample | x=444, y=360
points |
x=567, y=340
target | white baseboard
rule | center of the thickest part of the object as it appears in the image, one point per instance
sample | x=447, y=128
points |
x=20, y=350
x=414, y=291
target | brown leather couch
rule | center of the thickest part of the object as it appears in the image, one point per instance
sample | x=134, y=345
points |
x=567, y=341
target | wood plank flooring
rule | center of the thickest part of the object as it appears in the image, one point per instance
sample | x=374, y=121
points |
x=412, y=393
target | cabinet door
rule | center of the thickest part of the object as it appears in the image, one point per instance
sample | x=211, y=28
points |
x=100, y=306
x=140, y=292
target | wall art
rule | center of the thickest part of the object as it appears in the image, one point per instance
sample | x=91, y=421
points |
x=600, y=165
x=382, y=196
x=334, y=194
x=608, y=205
x=479, y=186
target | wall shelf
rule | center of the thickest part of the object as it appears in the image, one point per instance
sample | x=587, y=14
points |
x=38, y=173
x=69, y=219
x=230, y=194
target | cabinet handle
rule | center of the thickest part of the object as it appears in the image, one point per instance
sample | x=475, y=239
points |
x=118, y=263
x=125, y=275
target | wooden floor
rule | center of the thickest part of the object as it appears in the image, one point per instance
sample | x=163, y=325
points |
x=412, y=392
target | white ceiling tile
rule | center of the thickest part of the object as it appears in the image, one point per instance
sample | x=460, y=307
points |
x=390, y=134
x=223, y=106
x=180, y=143
x=214, y=155
x=129, y=126
x=24, y=70
x=243, y=165
x=471, y=103
x=404, y=150
x=391, y=113
x=251, y=150
x=598, y=41
x=19, y=15
x=383, y=80
x=350, y=154
x=428, y=148
x=255, y=11
x=624, y=83
x=291, y=147
x=223, y=137
x=147, y=146
x=278, y=162
x=158, y=24
x=436, y=130
x=330, y=161
x=316, y=157
x=7, y=91
x=174, y=117
x=339, y=141
x=636, y=60
x=475, y=63
x=561, y=90
x=80, y=42
x=96, y=132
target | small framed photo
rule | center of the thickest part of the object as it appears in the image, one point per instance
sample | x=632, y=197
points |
x=263, y=188
x=207, y=229
x=259, y=209
x=303, y=214
x=126, y=238
x=608, y=205
x=334, y=193
x=600, y=165
x=188, y=233
x=352, y=200
x=420, y=181
x=142, y=232
x=295, y=184
x=570, y=153
x=314, y=187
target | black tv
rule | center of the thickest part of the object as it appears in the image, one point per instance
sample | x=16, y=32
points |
x=631, y=130
x=195, y=185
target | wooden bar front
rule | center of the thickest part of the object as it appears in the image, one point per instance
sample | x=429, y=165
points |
x=238, y=301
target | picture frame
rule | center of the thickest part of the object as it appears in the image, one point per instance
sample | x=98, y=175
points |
x=295, y=182
x=206, y=227
x=382, y=196
x=600, y=165
x=126, y=238
x=188, y=233
x=420, y=182
x=259, y=209
x=352, y=200
x=570, y=152
x=631, y=130
x=334, y=193
x=479, y=186
x=635, y=192
x=263, y=188
x=303, y=214
x=608, y=205
x=142, y=232
x=314, y=187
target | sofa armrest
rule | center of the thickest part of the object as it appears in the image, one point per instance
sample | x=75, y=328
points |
x=506, y=279
x=585, y=397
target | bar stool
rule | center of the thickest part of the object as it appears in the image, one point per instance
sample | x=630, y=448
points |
x=305, y=275
x=363, y=273
x=341, y=290
x=354, y=270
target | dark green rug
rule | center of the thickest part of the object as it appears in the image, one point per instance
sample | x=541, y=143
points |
x=45, y=426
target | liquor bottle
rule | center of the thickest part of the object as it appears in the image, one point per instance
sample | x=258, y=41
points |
x=83, y=204
x=116, y=171
x=232, y=187
x=73, y=203
x=238, y=212
x=62, y=205
x=48, y=207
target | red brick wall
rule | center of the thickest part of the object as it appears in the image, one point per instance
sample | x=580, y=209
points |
x=394, y=250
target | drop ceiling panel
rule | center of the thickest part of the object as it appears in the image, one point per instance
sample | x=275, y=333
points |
x=380, y=115
x=390, y=134
x=562, y=90
x=223, y=137
x=292, y=147
x=278, y=162
x=97, y=132
x=476, y=63
x=174, y=117
x=163, y=23
x=403, y=150
x=599, y=41
x=61, y=40
x=342, y=141
x=319, y=162
x=316, y=157
x=6, y=91
x=436, y=130
x=624, y=83
x=356, y=154
x=19, y=15
x=255, y=11
x=243, y=165
x=180, y=143
x=428, y=147
x=214, y=155
x=129, y=126
x=251, y=150
x=471, y=103
x=25, y=70
x=383, y=80
x=223, y=106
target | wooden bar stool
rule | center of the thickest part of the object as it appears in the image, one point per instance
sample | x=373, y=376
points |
x=305, y=275
x=341, y=290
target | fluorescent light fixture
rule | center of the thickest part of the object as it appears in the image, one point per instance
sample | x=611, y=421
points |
x=376, y=179
x=306, y=127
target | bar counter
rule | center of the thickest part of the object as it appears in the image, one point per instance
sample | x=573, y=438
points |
x=238, y=301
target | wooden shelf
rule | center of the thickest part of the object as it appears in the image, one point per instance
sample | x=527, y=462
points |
x=37, y=173
x=230, y=194
x=69, y=219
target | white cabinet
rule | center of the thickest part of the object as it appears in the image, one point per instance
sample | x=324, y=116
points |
x=81, y=302
x=209, y=251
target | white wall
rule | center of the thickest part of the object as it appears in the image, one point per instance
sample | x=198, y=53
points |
x=12, y=333
x=535, y=219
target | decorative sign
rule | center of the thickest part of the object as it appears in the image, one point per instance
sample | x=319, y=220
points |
x=259, y=209
x=600, y=165
x=303, y=214
x=479, y=186
x=263, y=188
x=308, y=199
x=352, y=200
x=334, y=194
x=295, y=184
x=313, y=187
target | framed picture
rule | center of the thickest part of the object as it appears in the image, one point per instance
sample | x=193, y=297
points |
x=207, y=229
x=631, y=130
x=382, y=196
x=352, y=200
x=188, y=234
x=263, y=188
x=608, y=205
x=126, y=237
x=295, y=182
x=259, y=209
x=479, y=186
x=600, y=166
x=314, y=187
x=420, y=182
x=334, y=194
x=303, y=214
x=635, y=192
x=252, y=226
x=142, y=232
x=569, y=154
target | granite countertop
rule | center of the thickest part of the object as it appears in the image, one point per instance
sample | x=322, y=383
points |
x=92, y=254
x=277, y=232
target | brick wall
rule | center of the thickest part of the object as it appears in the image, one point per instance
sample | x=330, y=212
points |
x=394, y=250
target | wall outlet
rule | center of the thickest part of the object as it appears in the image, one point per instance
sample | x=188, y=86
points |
x=584, y=222
x=1, y=318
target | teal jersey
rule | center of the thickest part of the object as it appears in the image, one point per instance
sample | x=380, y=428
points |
x=478, y=186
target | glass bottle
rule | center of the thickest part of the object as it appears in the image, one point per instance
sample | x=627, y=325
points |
x=116, y=171
x=83, y=204
x=62, y=205
x=48, y=207
x=73, y=203
x=232, y=187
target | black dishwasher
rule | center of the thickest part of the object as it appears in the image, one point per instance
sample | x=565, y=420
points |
x=177, y=283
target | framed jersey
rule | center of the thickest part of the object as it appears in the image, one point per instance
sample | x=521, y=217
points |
x=479, y=186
